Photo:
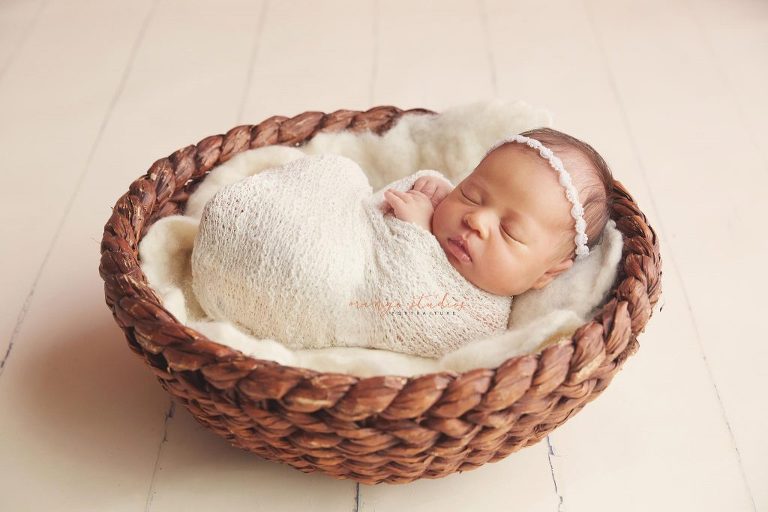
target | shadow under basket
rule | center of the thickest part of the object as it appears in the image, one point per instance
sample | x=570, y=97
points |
x=378, y=429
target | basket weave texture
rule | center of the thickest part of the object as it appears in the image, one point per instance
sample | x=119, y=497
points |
x=379, y=429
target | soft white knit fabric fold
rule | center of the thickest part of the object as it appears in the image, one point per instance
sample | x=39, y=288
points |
x=302, y=253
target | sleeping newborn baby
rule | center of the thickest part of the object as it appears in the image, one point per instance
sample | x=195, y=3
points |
x=306, y=255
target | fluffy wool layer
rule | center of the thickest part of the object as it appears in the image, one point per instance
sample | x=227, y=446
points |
x=454, y=142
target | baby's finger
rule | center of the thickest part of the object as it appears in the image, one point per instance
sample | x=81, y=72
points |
x=394, y=195
x=416, y=196
x=398, y=193
x=427, y=187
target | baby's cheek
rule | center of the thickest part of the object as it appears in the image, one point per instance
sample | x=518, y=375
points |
x=438, y=218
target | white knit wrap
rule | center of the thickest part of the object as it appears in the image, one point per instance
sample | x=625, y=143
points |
x=302, y=254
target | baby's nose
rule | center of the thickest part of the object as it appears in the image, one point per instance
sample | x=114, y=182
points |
x=477, y=222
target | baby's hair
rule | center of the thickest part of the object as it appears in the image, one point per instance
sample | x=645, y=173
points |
x=591, y=176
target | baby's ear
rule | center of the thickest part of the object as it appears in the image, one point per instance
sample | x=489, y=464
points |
x=554, y=271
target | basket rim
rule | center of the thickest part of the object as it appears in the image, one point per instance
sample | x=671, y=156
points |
x=595, y=350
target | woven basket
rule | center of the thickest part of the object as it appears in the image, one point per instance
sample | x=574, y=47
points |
x=379, y=429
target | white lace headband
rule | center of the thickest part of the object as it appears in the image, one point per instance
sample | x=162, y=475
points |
x=577, y=211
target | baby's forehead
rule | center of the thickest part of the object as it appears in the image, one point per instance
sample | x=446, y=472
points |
x=511, y=169
x=529, y=185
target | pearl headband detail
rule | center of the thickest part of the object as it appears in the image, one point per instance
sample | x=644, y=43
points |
x=577, y=211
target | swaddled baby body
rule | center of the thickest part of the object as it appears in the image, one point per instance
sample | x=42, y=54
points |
x=304, y=254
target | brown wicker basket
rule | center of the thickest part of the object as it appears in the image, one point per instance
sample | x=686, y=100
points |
x=379, y=429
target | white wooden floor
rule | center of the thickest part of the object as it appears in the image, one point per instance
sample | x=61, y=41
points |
x=671, y=92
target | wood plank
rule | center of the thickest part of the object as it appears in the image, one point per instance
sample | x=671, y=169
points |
x=54, y=101
x=431, y=55
x=522, y=481
x=715, y=231
x=89, y=420
x=653, y=86
x=566, y=71
x=17, y=18
x=437, y=57
x=737, y=35
x=310, y=56
x=196, y=470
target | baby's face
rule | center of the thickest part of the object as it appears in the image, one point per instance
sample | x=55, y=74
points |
x=513, y=216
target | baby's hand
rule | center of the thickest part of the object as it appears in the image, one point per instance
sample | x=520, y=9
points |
x=412, y=206
x=433, y=187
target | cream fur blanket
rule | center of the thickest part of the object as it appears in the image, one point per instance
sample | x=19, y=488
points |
x=454, y=142
x=302, y=253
